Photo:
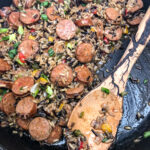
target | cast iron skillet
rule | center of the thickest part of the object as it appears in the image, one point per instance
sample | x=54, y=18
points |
x=136, y=101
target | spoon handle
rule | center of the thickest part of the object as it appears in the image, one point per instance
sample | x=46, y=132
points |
x=136, y=46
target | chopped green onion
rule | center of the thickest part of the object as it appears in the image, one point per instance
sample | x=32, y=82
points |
x=83, y=4
x=44, y=17
x=123, y=93
x=105, y=90
x=69, y=45
x=5, y=38
x=35, y=89
x=19, y=62
x=3, y=30
x=12, y=37
x=145, y=81
x=104, y=140
x=45, y=4
x=49, y=91
x=1, y=98
x=146, y=134
x=81, y=114
x=51, y=52
x=77, y=133
x=16, y=45
x=12, y=53
x=44, y=76
x=20, y=30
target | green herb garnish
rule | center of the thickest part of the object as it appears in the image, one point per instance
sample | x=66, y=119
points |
x=81, y=114
x=51, y=52
x=5, y=38
x=146, y=134
x=12, y=53
x=123, y=93
x=19, y=62
x=45, y=4
x=49, y=91
x=145, y=81
x=77, y=133
x=44, y=76
x=16, y=45
x=1, y=98
x=105, y=90
x=104, y=140
x=3, y=30
x=44, y=17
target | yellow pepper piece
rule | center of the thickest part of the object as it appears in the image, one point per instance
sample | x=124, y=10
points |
x=93, y=29
x=50, y=39
x=106, y=128
x=126, y=31
x=31, y=37
x=34, y=72
x=61, y=106
x=42, y=80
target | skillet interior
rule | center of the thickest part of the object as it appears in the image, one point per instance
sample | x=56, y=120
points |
x=136, y=101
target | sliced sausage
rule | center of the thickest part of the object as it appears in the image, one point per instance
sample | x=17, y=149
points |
x=8, y=103
x=55, y=135
x=84, y=52
x=39, y=129
x=84, y=74
x=22, y=85
x=51, y=13
x=62, y=75
x=6, y=84
x=135, y=21
x=28, y=48
x=66, y=29
x=23, y=123
x=84, y=22
x=30, y=16
x=59, y=47
x=4, y=66
x=133, y=6
x=5, y=11
x=26, y=107
x=113, y=34
x=113, y=16
x=72, y=92
x=14, y=19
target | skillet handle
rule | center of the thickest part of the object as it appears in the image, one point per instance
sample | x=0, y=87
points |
x=136, y=46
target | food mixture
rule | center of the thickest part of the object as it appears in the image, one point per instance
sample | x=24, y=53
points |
x=50, y=54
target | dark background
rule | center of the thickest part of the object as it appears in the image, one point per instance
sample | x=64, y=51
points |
x=136, y=101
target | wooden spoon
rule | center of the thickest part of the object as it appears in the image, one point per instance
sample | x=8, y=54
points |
x=95, y=100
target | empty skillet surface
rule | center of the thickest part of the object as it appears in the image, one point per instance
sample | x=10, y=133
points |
x=136, y=101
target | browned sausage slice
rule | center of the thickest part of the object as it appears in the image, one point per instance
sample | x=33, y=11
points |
x=135, y=21
x=5, y=11
x=23, y=123
x=66, y=29
x=134, y=5
x=14, y=19
x=84, y=22
x=30, y=16
x=22, y=85
x=4, y=66
x=55, y=135
x=26, y=107
x=84, y=74
x=85, y=52
x=113, y=34
x=28, y=48
x=72, y=92
x=6, y=84
x=51, y=13
x=62, y=75
x=39, y=129
x=8, y=103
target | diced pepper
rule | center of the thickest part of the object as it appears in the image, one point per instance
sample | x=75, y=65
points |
x=69, y=45
x=20, y=30
x=12, y=37
x=44, y=76
x=3, y=30
x=16, y=45
x=31, y=37
x=105, y=90
x=126, y=31
x=12, y=53
x=49, y=91
x=81, y=145
x=51, y=39
x=106, y=128
x=126, y=12
x=64, y=61
x=106, y=40
x=32, y=30
x=51, y=52
x=22, y=57
x=34, y=72
x=19, y=62
x=94, y=11
x=42, y=80
x=93, y=29
x=44, y=17
x=61, y=106
x=5, y=38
